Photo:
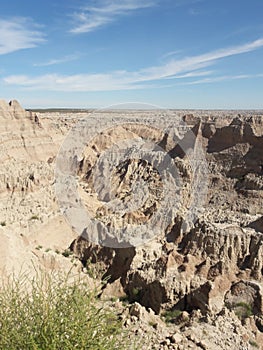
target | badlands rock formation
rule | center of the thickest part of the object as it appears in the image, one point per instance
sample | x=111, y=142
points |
x=30, y=222
x=205, y=276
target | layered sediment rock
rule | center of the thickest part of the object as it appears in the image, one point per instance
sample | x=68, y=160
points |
x=211, y=271
x=219, y=259
x=28, y=147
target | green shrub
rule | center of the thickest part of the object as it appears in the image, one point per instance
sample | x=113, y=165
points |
x=3, y=223
x=253, y=343
x=243, y=310
x=51, y=312
x=34, y=217
x=171, y=315
x=124, y=299
x=136, y=292
x=67, y=253
x=95, y=270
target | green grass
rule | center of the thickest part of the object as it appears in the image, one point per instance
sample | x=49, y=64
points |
x=124, y=299
x=67, y=253
x=253, y=343
x=171, y=315
x=51, y=313
x=95, y=270
x=243, y=310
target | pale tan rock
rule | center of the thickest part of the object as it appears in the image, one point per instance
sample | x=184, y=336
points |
x=113, y=290
x=186, y=267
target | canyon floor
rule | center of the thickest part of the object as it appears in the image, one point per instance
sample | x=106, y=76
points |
x=189, y=272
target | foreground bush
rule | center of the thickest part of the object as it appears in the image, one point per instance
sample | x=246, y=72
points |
x=50, y=313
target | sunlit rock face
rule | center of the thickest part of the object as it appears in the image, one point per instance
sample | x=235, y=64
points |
x=211, y=267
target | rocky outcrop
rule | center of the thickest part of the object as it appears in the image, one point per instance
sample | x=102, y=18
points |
x=246, y=294
x=257, y=225
x=29, y=215
x=219, y=260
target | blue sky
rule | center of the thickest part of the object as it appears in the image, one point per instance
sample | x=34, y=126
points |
x=93, y=53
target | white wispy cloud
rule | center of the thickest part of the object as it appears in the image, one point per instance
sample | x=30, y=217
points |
x=77, y=82
x=197, y=62
x=223, y=78
x=90, y=18
x=198, y=73
x=55, y=61
x=18, y=33
x=171, y=53
x=185, y=68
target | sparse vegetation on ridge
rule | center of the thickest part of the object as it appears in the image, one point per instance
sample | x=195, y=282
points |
x=171, y=315
x=241, y=309
x=253, y=344
x=67, y=253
